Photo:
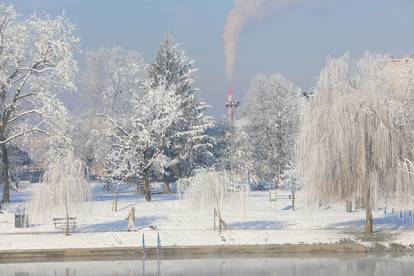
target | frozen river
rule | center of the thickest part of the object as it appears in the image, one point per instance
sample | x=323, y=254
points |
x=280, y=265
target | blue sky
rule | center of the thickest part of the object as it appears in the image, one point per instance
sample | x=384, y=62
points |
x=293, y=41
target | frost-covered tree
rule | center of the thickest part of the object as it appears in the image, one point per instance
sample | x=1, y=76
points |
x=270, y=121
x=112, y=77
x=209, y=189
x=190, y=145
x=59, y=127
x=88, y=141
x=356, y=136
x=138, y=139
x=233, y=151
x=36, y=60
x=63, y=191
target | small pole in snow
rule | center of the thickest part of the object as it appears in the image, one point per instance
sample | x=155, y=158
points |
x=143, y=242
x=158, y=242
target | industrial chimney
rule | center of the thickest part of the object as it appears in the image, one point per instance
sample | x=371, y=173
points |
x=230, y=105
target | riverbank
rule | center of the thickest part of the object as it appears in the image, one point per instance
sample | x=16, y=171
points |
x=261, y=225
x=180, y=251
x=199, y=243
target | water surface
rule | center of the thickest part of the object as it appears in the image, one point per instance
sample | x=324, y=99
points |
x=281, y=265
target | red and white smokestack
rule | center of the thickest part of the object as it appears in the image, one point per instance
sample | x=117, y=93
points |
x=229, y=105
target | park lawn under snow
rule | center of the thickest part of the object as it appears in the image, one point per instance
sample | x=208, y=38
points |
x=259, y=222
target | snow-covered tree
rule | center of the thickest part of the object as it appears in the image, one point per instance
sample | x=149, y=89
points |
x=356, y=138
x=270, y=121
x=88, y=142
x=138, y=139
x=112, y=77
x=36, y=60
x=59, y=127
x=233, y=151
x=63, y=191
x=191, y=146
x=208, y=189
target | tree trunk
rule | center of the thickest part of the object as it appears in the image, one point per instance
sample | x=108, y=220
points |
x=5, y=174
x=369, y=225
x=147, y=190
x=348, y=206
x=115, y=200
x=166, y=184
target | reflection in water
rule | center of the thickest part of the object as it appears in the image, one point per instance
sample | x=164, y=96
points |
x=290, y=265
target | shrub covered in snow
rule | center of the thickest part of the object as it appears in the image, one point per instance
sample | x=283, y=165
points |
x=209, y=189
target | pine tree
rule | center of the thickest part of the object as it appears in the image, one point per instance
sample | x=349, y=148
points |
x=190, y=145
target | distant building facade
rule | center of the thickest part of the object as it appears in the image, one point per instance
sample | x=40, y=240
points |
x=401, y=71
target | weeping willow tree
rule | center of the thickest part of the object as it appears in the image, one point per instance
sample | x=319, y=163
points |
x=62, y=193
x=356, y=137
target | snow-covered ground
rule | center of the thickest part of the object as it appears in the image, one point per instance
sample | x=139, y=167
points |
x=261, y=222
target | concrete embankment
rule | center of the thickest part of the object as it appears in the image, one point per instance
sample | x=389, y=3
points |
x=180, y=251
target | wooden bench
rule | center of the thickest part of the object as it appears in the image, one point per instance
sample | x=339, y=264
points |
x=60, y=223
x=274, y=196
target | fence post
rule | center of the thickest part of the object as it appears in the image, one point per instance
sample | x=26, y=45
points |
x=349, y=206
x=26, y=220
x=214, y=216
x=16, y=220
x=67, y=225
x=219, y=220
x=293, y=200
x=158, y=242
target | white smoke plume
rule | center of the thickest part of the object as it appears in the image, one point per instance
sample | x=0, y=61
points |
x=242, y=11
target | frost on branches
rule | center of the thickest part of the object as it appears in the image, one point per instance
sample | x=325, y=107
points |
x=270, y=123
x=113, y=76
x=138, y=139
x=356, y=137
x=209, y=189
x=233, y=150
x=62, y=193
x=191, y=146
x=36, y=60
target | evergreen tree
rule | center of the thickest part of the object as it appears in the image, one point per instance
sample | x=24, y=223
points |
x=190, y=145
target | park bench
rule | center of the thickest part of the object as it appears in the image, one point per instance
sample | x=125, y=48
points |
x=153, y=190
x=274, y=196
x=60, y=223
